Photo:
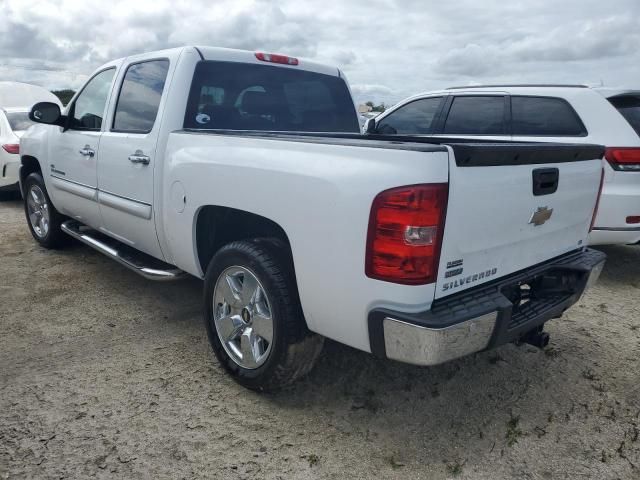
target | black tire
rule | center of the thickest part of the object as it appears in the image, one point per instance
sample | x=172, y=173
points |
x=294, y=349
x=54, y=237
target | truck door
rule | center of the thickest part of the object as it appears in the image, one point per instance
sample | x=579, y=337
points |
x=128, y=156
x=74, y=151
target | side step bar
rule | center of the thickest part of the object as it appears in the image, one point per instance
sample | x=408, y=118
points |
x=141, y=263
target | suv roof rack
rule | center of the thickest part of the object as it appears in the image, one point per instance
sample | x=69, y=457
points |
x=520, y=85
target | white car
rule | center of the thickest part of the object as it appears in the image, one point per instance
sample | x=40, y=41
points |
x=13, y=123
x=199, y=161
x=541, y=113
x=16, y=100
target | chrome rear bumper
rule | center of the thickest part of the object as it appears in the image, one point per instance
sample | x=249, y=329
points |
x=487, y=316
x=410, y=343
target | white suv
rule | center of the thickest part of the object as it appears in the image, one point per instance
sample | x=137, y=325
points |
x=546, y=113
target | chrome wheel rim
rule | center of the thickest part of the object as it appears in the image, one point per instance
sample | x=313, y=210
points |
x=38, y=209
x=242, y=317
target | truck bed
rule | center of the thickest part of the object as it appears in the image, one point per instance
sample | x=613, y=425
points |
x=468, y=152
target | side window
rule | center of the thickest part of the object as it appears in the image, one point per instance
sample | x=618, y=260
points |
x=140, y=96
x=88, y=109
x=476, y=115
x=18, y=121
x=412, y=119
x=629, y=108
x=544, y=116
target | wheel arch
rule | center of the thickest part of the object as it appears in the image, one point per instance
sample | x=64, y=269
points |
x=216, y=226
x=28, y=165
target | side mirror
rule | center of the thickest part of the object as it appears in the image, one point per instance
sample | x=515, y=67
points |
x=370, y=126
x=46, y=112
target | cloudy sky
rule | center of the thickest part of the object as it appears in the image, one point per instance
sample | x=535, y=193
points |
x=389, y=49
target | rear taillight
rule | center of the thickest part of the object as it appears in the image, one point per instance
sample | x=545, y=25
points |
x=11, y=148
x=623, y=158
x=595, y=209
x=632, y=220
x=275, y=58
x=405, y=234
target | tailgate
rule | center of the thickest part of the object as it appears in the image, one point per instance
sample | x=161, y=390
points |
x=512, y=206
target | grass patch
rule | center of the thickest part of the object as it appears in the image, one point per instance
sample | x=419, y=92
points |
x=394, y=462
x=513, y=431
x=455, y=468
x=312, y=458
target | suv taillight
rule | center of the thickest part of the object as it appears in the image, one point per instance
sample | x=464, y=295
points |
x=595, y=209
x=11, y=148
x=623, y=158
x=405, y=234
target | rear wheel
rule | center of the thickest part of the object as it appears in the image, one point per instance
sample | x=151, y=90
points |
x=253, y=316
x=42, y=217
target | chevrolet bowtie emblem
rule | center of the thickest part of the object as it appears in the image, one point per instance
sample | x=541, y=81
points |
x=541, y=215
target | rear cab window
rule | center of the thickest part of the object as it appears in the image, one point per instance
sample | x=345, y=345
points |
x=544, y=116
x=476, y=115
x=629, y=108
x=240, y=96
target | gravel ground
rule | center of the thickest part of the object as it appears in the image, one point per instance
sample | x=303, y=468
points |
x=104, y=374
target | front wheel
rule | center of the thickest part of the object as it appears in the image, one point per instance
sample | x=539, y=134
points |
x=253, y=316
x=42, y=217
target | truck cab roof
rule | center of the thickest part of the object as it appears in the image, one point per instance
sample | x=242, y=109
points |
x=231, y=55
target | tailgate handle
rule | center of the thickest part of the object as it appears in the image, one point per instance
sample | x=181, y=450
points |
x=545, y=181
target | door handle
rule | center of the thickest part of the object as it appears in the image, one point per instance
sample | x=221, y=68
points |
x=139, y=157
x=545, y=181
x=87, y=151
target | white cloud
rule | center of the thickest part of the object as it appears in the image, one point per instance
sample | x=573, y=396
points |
x=364, y=92
x=388, y=49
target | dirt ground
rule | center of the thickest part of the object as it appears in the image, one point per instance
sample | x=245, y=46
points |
x=104, y=374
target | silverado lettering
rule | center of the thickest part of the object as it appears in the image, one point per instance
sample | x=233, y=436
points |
x=469, y=279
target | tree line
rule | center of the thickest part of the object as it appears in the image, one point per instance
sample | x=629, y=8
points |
x=64, y=95
x=376, y=108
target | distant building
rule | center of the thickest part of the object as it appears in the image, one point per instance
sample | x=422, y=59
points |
x=364, y=108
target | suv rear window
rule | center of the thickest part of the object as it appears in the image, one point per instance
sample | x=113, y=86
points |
x=476, y=115
x=240, y=96
x=544, y=116
x=629, y=107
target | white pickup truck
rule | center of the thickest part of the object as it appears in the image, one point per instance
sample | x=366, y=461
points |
x=199, y=161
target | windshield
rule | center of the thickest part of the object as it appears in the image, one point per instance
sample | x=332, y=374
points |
x=240, y=96
x=19, y=121
x=629, y=107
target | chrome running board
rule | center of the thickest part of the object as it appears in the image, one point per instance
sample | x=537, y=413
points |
x=141, y=263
